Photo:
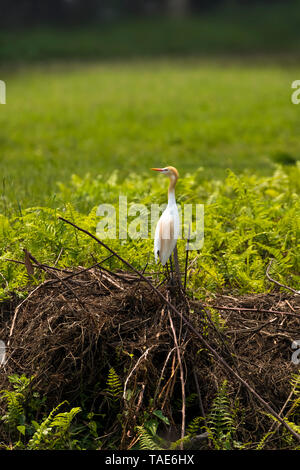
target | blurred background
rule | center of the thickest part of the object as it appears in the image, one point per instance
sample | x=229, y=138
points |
x=142, y=27
x=74, y=12
x=95, y=86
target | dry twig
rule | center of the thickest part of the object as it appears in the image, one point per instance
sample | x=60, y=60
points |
x=279, y=283
x=181, y=379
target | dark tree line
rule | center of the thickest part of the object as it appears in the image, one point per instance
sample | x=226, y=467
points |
x=36, y=12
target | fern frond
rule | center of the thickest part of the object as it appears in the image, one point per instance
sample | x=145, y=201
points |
x=114, y=385
x=220, y=421
x=262, y=442
x=53, y=431
x=295, y=382
x=293, y=426
x=15, y=410
x=146, y=440
x=195, y=425
x=15, y=400
x=63, y=420
x=40, y=437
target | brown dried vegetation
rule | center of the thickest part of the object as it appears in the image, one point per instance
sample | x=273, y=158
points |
x=72, y=328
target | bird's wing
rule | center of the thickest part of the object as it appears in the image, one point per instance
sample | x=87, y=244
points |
x=164, y=242
x=175, y=215
x=157, y=242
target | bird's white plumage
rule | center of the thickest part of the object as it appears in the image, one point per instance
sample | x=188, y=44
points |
x=166, y=234
x=167, y=229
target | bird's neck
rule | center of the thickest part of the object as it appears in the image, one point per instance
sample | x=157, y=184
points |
x=171, y=192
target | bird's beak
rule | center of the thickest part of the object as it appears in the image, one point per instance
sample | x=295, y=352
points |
x=157, y=169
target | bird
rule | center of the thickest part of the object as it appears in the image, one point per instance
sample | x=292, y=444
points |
x=167, y=229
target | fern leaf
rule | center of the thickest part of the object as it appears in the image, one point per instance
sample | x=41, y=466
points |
x=147, y=440
x=114, y=385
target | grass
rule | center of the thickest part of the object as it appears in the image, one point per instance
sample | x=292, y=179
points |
x=77, y=118
x=211, y=91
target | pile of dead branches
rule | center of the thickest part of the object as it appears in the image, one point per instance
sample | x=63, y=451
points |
x=75, y=326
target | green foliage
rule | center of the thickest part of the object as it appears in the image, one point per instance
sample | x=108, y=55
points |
x=149, y=438
x=295, y=383
x=114, y=386
x=15, y=401
x=221, y=425
x=131, y=117
x=53, y=432
x=286, y=438
x=194, y=426
x=248, y=220
x=263, y=441
x=293, y=413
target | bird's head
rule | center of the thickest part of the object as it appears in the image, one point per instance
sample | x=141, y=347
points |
x=169, y=171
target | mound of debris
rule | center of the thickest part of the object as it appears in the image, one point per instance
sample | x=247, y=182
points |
x=75, y=326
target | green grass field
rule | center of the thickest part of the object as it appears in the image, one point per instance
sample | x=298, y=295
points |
x=212, y=91
x=78, y=118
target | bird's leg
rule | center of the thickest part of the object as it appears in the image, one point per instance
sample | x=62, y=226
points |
x=167, y=269
x=171, y=269
x=176, y=263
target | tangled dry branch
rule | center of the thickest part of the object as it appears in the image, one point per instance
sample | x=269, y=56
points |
x=68, y=331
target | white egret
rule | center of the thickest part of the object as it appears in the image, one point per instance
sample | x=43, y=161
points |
x=167, y=229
